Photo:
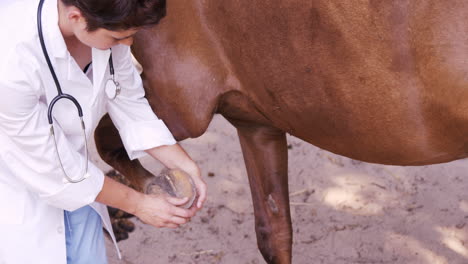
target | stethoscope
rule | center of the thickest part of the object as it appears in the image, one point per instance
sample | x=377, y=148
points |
x=112, y=89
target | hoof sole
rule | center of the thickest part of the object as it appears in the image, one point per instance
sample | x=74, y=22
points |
x=175, y=183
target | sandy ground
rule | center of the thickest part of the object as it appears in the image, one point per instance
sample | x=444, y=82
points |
x=343, y=211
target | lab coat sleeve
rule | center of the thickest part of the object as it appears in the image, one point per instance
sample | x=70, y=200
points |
x=28, y=148
x=139, y=127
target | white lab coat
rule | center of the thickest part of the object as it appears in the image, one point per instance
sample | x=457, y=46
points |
x=32, y=192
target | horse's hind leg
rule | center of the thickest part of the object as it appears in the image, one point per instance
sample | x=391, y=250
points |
x=265, y=154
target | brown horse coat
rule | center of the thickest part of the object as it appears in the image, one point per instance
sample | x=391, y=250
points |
x=378, y=81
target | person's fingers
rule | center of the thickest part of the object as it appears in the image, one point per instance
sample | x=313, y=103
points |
x=181, y=212
x=172, y=221
x=177, y=201
x=171, y=225
x=162, y=211
x=193, y=209
x=201, y=194
x=201, y=200
x=178, y=220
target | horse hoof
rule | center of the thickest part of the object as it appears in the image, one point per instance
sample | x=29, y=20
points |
x=119, y=233
x=126, y=225
x=175, y=183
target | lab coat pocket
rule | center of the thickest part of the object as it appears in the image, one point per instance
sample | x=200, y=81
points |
x=12, y=203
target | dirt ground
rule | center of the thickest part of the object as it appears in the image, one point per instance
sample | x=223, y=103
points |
x=343, y=211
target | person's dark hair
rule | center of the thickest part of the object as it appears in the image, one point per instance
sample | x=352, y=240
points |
x=119, y=14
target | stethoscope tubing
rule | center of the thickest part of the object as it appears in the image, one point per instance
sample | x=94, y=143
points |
x=60, y=95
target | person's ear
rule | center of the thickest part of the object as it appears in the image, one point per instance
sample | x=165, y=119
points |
x=75, y=17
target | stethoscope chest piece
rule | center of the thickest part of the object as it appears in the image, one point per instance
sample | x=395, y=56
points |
x=112, y=89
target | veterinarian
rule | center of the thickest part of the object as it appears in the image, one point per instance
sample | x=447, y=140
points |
x=52, y=199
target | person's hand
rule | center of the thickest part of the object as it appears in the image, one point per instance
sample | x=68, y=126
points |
x=162, y=211
x=174, y=157
x=200, y=185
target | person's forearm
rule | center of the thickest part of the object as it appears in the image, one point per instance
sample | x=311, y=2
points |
x=119, y=196
x=173, y=156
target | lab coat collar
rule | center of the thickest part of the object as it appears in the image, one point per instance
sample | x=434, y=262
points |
x=53, y=37
x=57, y=48
x=100, y=60
x=100, y=66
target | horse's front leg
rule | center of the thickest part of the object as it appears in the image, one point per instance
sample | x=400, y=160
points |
x=265, y=154
x=112, y=151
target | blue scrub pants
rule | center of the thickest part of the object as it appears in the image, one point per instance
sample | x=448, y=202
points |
x=84, y=237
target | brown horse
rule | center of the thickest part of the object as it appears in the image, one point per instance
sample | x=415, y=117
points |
x=378, y=81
